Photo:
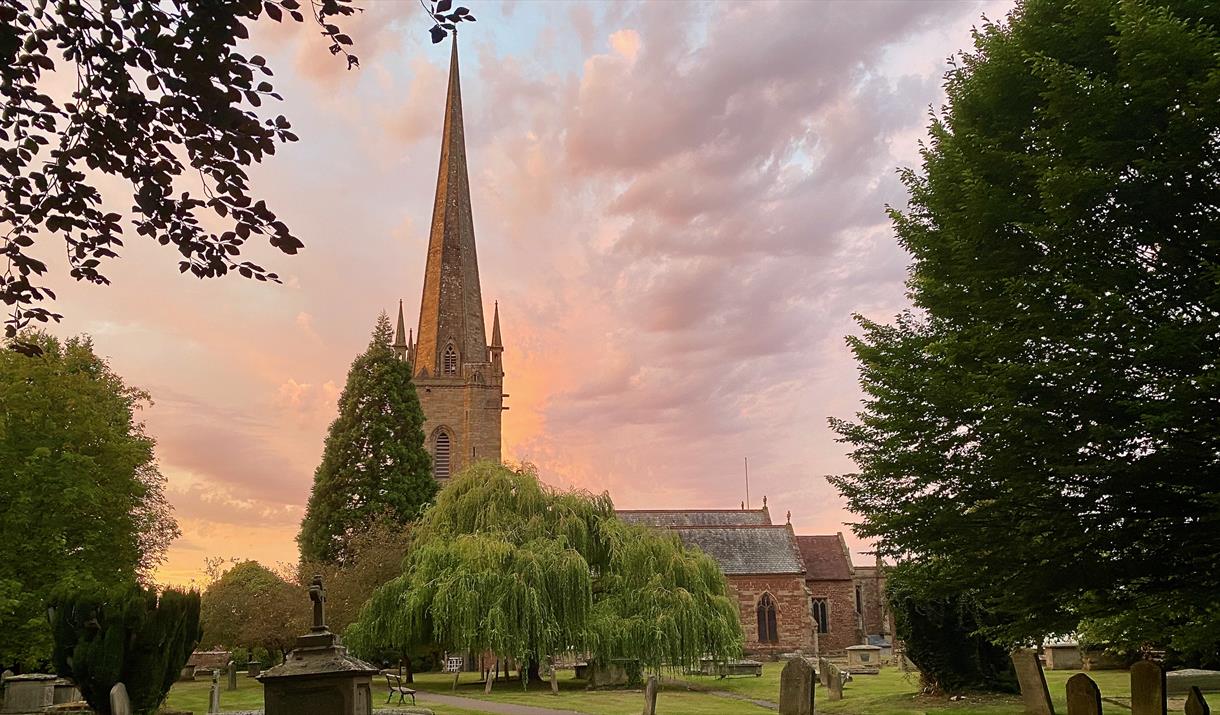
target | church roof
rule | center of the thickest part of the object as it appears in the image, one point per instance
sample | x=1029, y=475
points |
x=825, y=558
x=744, y=550
x=451, y=310
x=665, y=518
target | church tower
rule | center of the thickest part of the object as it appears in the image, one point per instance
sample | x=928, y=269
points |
x=458, y=376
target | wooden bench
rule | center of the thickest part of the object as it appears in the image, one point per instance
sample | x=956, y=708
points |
x=395, y=684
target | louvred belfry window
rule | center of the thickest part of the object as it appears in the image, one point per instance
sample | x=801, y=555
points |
x=441, y=456
x=767, y=631
x=450, y=360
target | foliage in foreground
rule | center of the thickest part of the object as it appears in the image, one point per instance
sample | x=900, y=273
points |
x=941, y=635
x=1044, y=429
x=374, y=465
x=505, y=564
x=252, y=606
x=81, y=499
x=124, y=635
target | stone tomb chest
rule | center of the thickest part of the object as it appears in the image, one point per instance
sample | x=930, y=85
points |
x=864, y=659
x=319, y=677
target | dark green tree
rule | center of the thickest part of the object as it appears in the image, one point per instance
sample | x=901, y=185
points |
x=374, y=464
x=81, y=500
x=130, y=635
x=252, y=606
x=1044, y=426
x=504, y=564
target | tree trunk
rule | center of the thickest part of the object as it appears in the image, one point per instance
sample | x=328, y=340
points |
x=410, y=676
x=534, y=671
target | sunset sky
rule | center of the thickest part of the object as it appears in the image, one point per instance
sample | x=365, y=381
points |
x=678, y=207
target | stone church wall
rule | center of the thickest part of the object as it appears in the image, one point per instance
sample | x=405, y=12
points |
x=841, y=612
x=792, y=618
x=875, y=615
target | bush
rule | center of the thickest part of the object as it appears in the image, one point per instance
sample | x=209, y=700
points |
x=943, y=635
x=129, y=635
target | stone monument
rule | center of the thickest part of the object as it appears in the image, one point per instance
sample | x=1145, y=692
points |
x=650, y=696
x=834, y=681
x=319, y=677
x=796, y=688
x=28, y=693
x=1034, y=693
x=1083, y=697
x=120, y=703
x=1147, y=688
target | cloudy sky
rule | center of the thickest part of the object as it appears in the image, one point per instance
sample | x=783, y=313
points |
x=678, y=207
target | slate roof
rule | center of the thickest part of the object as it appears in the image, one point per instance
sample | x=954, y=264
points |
x=746, y=549
x=668, y=518
x=825, y=558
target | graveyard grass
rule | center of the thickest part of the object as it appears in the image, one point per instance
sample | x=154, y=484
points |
x=890, y=693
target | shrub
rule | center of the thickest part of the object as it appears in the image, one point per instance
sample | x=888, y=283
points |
x=130, y=635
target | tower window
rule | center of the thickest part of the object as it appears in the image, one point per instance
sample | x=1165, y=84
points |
x=440, y=455
x=767, y=631
x=821, y=615
x=450, y=360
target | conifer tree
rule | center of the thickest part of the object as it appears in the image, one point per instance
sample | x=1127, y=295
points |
x=374, y=462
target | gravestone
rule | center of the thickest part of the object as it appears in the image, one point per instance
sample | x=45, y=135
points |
x=318, y=677
x=1195, y=704
x=120, y=704
x=30, y=692
x=816, y=646
x=835, y=681
x=1083, y=697
x=253, y=668
x=490, y=679
x=1147, y=688
x=824, y=672
x=232, y=670
x=796, y=688
x=214, y=694
x=1179, y=682
x=554, y=680
x=1034, y=693
x=650, y=696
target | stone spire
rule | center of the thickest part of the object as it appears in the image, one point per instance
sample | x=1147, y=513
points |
x=400, y=338
x=495, y=328
x=451, y=311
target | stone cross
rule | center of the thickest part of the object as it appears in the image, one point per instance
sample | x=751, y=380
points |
x=1034, y=693
x=1195, y=704
x=317, y=594
x=120, y=704
x=796, y=688
x=1083, y=697
x=650, y=696
x=1147, y=688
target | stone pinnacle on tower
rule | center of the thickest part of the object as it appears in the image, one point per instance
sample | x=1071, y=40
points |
x=401, y=346
x=451, y=310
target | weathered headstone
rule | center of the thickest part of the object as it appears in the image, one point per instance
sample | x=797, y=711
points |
x=214, y=694
x=1083, y=697
x=554, y=680
x=796, y=688
x=816, y=651
x=835, y=681
x=1147, y=688
x=1195, y=704
x=253, y=668
x=232, y=671
x=1034, y=693
x=650, y=696
x=120, y=704
x=490, y=679
x=824, y=672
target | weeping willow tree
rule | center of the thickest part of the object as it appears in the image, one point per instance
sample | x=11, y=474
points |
x=506, y=565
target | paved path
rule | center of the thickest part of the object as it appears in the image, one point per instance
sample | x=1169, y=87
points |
x=487, y=706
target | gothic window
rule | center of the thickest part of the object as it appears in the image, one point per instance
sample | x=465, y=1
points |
x=821, y=615
x=450, y=360
x=859, y=600
x=441, y=455
x=767, y=631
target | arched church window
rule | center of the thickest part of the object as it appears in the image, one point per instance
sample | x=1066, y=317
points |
x=449, y=361
x=441, y=455
x=821, y=614
x=767, y=630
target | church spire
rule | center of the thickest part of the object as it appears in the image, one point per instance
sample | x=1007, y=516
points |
x=400, y=339
x=451, y=311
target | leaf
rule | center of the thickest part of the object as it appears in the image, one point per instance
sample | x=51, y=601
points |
x=438, y=33
x=273, y=11
x=443, y=5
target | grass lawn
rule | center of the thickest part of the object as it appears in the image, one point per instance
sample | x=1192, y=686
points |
x=193, y=696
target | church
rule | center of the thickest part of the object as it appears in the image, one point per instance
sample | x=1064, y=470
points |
x=788, y=587
x=458, y=375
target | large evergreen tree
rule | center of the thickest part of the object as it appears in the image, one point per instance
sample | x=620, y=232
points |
x=81, y=499
x=374, y=463
x=504, y=564
x=1044, y=428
